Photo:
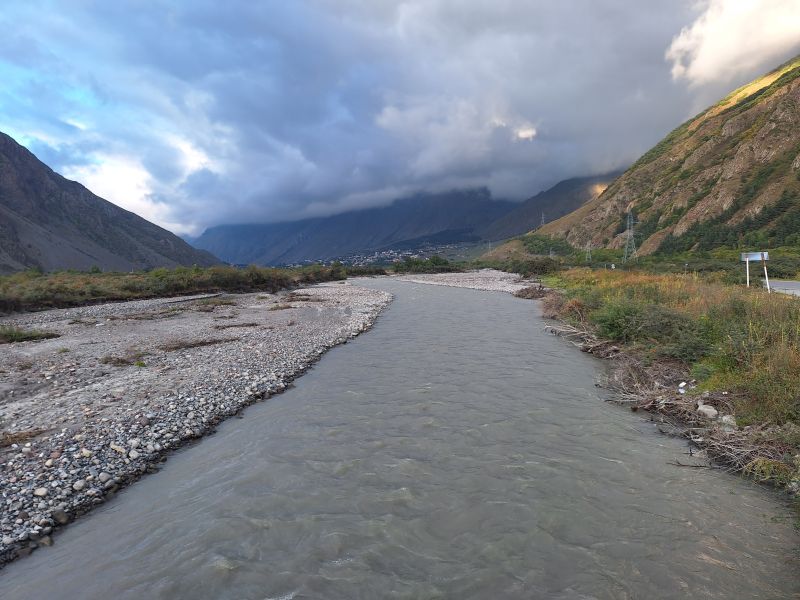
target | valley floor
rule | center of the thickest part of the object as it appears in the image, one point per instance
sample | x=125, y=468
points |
x=86, y=413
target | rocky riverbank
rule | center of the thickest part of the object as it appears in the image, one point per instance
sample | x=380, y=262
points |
x=84, y=414
x=486, y=279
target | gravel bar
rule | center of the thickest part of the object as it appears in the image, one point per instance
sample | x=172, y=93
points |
x=486, y=279
x=87, y=413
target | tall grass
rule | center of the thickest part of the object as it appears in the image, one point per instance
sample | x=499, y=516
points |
x=734, y=338
x=32, y=290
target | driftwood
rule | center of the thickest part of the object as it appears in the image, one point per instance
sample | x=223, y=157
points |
x=533, y=292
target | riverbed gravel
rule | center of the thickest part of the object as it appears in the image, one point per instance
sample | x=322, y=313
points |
x=84, y=414
x=486, y=279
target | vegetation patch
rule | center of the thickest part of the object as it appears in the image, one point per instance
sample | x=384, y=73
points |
x=19, y=437
x=34, y=290
x=185, y=344
x=131, y=357
x=233, y=325
x=280, y=307
x=152, y=315
x=434, y=264
x=210, y=304
x=546, y=245
x=298, y=297
x=531, y=267
x=10, y=335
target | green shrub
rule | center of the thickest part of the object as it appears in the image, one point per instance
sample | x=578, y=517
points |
x=672, y=333
x=434, y=264
x=10, y=335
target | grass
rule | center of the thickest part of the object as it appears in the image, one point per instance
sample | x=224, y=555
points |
x=732, y=338
x=185, y=344
x=10, y=335
x=33, y=290
x=133, y=356
x=280, y=307
x=232, y=325
x=19, y=437
x=434, y=264
x=210, y=304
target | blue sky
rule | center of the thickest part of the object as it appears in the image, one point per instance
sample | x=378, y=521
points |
x=198, y=113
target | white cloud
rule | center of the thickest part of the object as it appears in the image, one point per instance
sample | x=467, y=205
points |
x=125, y=182
x=734, y=37
x=526, y=133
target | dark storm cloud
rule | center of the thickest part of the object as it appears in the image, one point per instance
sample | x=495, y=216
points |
x=199, y=113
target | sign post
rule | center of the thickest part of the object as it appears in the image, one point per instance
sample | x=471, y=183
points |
x=746, y=257
x=747, y=262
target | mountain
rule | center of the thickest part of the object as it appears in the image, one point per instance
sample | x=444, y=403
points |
x=455, y=216
x=52, y=223
x=559, y=200
x=727, y=177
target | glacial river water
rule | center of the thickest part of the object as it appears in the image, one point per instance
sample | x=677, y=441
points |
x=455, y=451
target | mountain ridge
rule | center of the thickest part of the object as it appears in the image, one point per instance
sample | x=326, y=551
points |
x=50, y=223
x=327, y=238
x=728, y=176
x=452, y=217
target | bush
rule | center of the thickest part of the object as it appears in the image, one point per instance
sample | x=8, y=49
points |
x=434, y=264
x=740, y=340
x=35, y=291
x=673, y=334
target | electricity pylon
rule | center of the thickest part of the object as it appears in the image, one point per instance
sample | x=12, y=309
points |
x=630, y=240
x=588, y=251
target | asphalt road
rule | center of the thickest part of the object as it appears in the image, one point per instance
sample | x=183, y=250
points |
x=787, y=287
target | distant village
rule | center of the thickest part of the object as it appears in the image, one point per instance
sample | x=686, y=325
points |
x=389, y=256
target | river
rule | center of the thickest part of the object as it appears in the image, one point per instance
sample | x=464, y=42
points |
x=455, y=451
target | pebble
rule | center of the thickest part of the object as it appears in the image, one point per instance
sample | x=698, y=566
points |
x=40, y=492
x=79, y=485
x=60, y=516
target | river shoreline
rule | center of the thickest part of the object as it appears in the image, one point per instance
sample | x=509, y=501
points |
x=87, y=413
x=659, y=388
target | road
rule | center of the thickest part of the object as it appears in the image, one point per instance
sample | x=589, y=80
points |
x=787, y=287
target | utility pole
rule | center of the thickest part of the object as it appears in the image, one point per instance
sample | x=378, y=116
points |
x=630, y=240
